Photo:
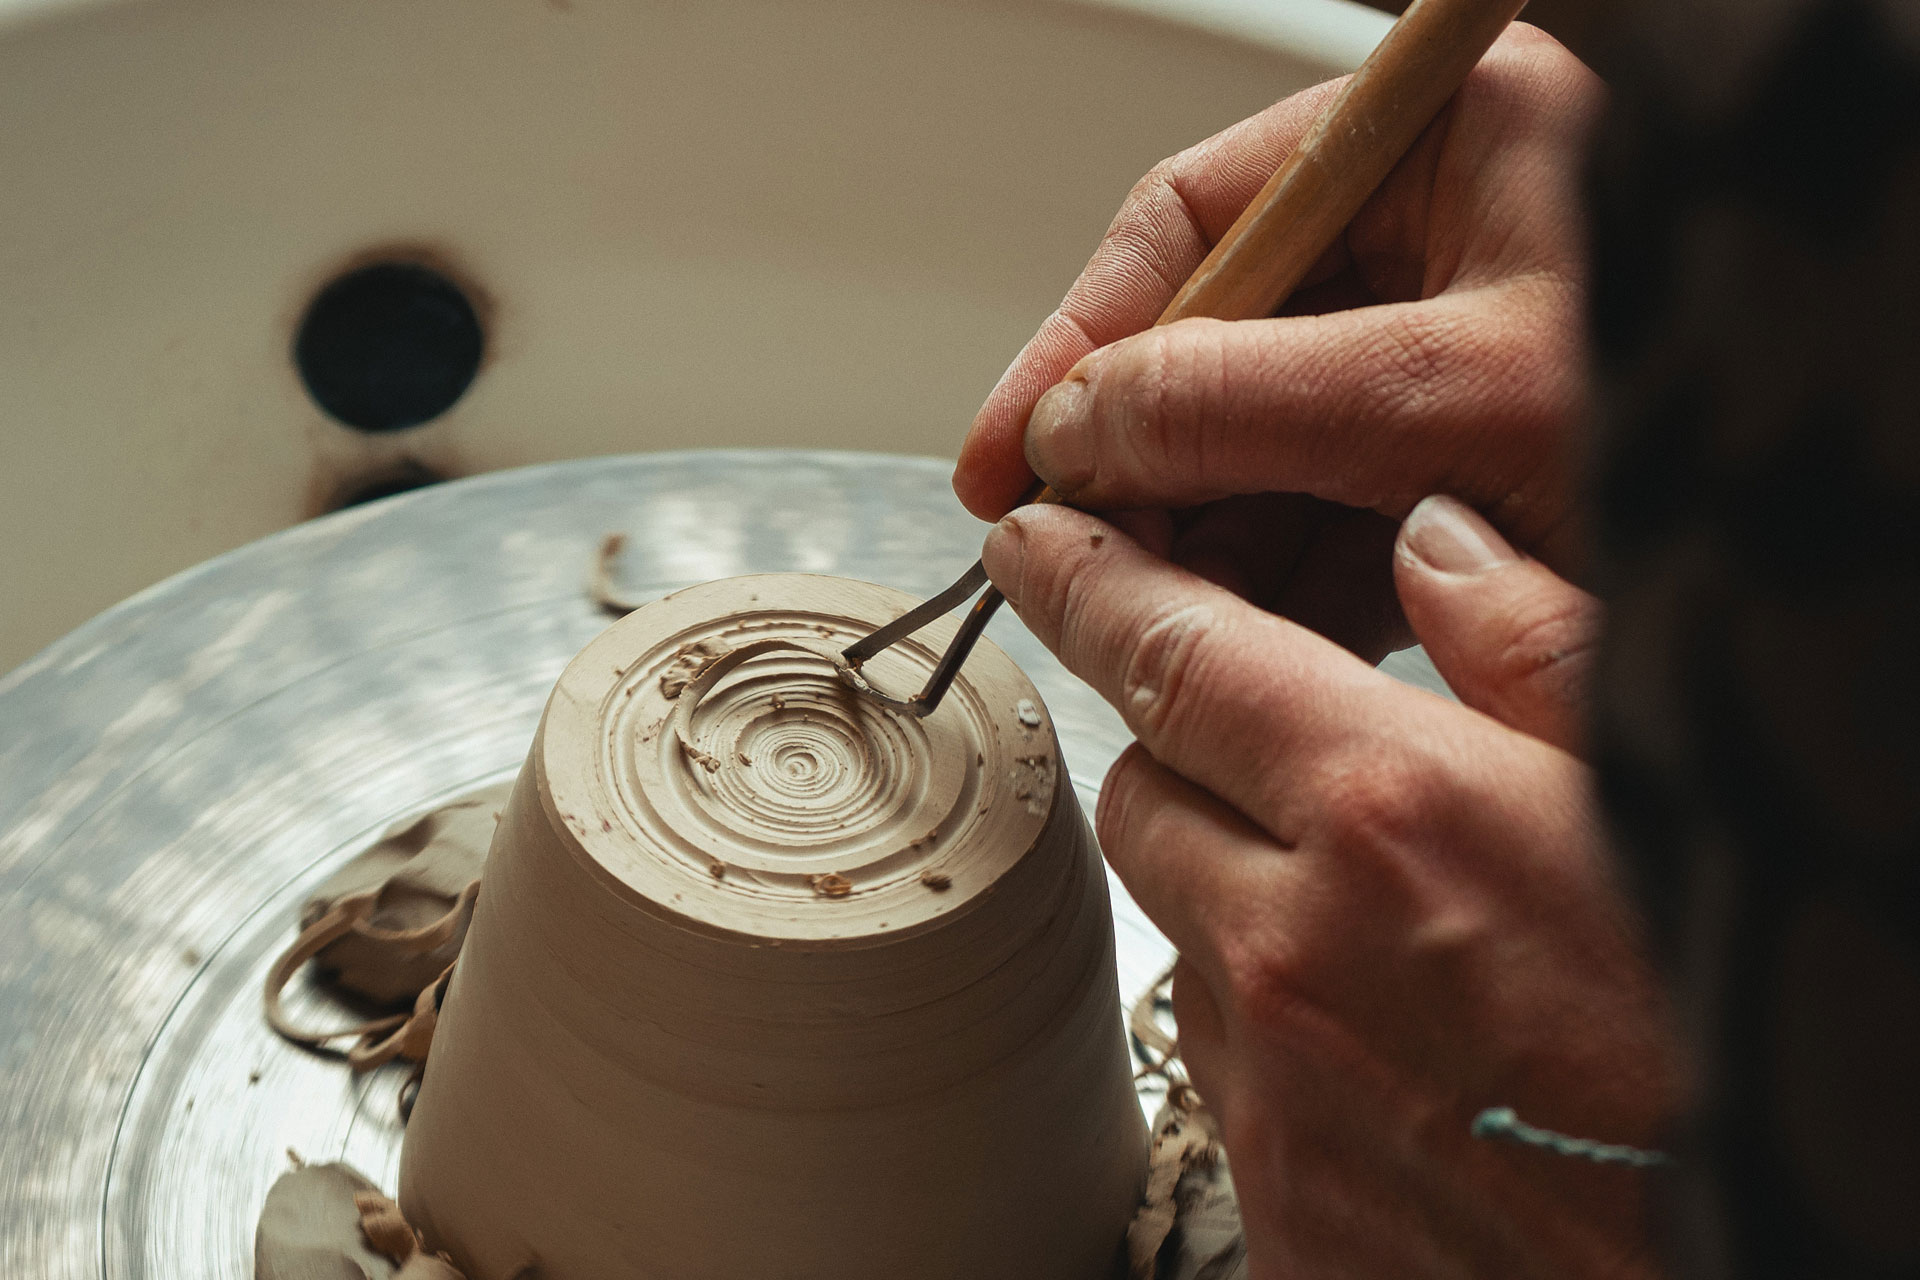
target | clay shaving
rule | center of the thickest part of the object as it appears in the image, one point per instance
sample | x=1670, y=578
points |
x=1188, y=1224
x=831, y=885
x=1186, y=1139
x=695, y=671
x=389, y=1232
x=384, y=1227
x=328, y=1221
x=684, y=668
x=310, y=1230
x=936, y=881
x=600, y=580
x=387, y=928
x=708, y=762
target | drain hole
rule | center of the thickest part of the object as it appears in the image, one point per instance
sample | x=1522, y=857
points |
x=389, y=346
x=404, y=478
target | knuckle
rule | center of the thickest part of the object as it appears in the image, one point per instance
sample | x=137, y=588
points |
x=1370, y=802
x=1153, y=184
x=1165, y=667
x=1263, y=978
x=1426, y=363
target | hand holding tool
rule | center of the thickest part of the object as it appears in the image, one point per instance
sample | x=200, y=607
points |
x=1293, y=220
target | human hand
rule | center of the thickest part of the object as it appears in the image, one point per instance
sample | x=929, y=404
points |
x=1392, y=911
x=1436, y=348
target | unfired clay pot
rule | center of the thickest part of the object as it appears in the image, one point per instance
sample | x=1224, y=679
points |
x=768, y=981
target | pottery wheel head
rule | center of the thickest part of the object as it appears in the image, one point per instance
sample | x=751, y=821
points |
x=710, y=764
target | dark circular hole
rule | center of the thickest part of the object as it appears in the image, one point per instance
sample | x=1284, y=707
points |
x=389, y=346
x=407, y=476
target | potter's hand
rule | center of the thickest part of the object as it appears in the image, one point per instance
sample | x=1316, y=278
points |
x=1457, y=368
x=1391, y=910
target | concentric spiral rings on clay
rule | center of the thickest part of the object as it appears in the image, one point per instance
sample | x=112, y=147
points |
x=733, y=754
x=780, y=759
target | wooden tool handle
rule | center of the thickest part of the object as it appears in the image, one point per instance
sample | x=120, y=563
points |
x=1347, y=153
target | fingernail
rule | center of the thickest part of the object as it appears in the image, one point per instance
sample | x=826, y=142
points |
x=1002, y=554
x=1059, y=435
x=1446, y=534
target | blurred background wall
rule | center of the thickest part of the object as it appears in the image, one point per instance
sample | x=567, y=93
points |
x=596, y=226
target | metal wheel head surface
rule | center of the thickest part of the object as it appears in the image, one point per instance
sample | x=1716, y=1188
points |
x=177, y=774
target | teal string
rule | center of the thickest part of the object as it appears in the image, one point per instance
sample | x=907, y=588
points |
x=1503, y=1125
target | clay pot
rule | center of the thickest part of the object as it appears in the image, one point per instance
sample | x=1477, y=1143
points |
x=766, y=981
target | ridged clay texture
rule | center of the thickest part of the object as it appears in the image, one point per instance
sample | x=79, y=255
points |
x=766, y=980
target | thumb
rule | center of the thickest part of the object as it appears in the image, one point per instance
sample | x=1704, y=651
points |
x=1510, y=637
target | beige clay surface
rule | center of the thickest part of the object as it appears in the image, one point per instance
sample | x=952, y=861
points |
x=765, y=980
